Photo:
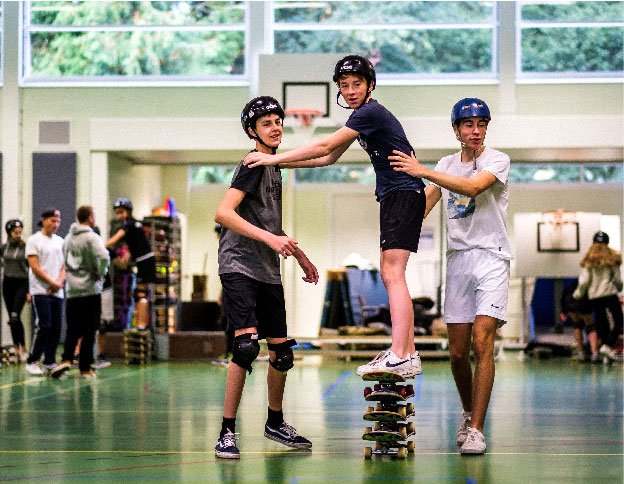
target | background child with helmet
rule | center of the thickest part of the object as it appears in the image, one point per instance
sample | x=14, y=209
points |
x=474, y=185
x=15, y=283
x=401, y=198
x=250, y=244
x=600, y=281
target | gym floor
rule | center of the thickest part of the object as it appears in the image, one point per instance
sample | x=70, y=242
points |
x=549, y=421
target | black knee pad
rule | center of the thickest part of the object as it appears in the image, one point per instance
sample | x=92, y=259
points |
x=245, y=350
x=284, y=358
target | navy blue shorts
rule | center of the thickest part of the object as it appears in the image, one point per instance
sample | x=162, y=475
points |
x=400, y=219
x=249, y=303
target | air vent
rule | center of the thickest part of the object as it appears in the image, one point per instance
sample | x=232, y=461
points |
x=54, y=132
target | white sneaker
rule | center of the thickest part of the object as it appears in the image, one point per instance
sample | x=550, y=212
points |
x=605, y=350
x=34, y=369
x=462, y=433
x=387, y=361
x=416, y=368
x=474, y=443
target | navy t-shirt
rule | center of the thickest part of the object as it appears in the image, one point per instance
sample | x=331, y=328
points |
x=380, y=133
x=135, y=237
x=262, y=207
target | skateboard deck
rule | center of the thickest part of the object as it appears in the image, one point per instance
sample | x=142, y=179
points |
x=382, y=392
x=387, y=436
x=387, y=416
x=383, y=376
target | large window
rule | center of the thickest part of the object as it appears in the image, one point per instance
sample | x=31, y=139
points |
x=363, y=174
x=85, y=40
x=415, y=39
x=571, y=39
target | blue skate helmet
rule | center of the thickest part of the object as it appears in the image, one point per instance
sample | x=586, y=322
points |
x=469, y=107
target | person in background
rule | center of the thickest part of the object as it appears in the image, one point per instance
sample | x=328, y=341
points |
x=600, y=281
x=15, y=283
x=46, y=278
x=579, y=313
x=86, y=264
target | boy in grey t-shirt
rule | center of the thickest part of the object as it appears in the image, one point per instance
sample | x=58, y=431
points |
x=473, y=184
x=251, y=242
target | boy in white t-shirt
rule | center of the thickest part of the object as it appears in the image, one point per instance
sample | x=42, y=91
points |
x=46, y=279
x=474, y=186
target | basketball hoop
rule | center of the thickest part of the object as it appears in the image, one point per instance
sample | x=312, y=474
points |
x=305, y=116
x=558, y=231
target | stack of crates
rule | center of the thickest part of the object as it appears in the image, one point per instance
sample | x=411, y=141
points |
x=137, y=346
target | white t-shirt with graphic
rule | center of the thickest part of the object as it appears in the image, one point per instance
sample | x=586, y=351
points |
x=49, y=251
x=481, y=222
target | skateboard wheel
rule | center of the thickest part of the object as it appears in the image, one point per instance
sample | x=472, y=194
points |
x=402, y=453
x=368, y=452
x=410, y=408
x=410, y=428
x=402, y=391
x=370, y=409
x=367, y=391
x=378, y=446
x=403, y=433
x=377, y=387
x=378, y=406
x=402, y=411
x=410, y=446
x=368, y=430
x=410, y=389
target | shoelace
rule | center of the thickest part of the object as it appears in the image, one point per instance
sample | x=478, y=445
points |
x=288, y=430
x=229, y=439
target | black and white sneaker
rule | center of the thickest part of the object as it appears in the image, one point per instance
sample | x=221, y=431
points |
x=226, y=447
x=287, y=435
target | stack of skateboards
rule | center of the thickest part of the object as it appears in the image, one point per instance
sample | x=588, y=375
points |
x=137, y=346
x=391, y=429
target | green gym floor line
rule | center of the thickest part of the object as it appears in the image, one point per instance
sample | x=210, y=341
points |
x=550, y=421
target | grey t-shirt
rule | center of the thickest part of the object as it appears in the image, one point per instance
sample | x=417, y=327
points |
x=262, y=207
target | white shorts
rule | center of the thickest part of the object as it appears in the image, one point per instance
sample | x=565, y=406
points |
x=477, y=283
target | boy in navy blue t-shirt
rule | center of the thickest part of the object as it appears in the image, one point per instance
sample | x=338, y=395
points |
x=401, y=198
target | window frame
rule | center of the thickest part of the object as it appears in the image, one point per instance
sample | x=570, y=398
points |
x=523, y=77
x=490, y=77
x=27, y=79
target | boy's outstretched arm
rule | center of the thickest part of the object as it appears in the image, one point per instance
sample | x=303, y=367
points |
x=226, y=216
x=470, y=187
x=317, y=149
x=317, y=162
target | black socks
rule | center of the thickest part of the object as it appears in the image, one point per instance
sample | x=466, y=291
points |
x=275, y=419
x=229, y=424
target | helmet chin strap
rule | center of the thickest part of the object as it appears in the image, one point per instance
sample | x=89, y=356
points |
x=474, y=152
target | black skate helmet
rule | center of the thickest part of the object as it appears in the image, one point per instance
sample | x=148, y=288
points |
x=256, y=108
x=12, y=224
x=123, y=202
x=355, y=64
x=469, y=107
x=601, y=238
